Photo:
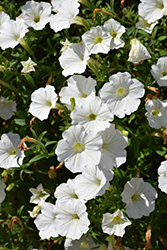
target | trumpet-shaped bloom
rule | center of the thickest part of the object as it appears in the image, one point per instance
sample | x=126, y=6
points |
x=92, y=113
x=139, y=197
x=79, y=148
x=35, y=14
x=11, y=32
x=97, y=40
x=122, y=94
x=84, y=243
x=159, y=71
x=162, y=179
x=74, y=59
x=43, y=100
x=66, y=191
x=45, y=222
x=67, y=11
x=2, y=193
x=7, y=108
x=156, y=113
x=138, y=52
x=39, y=195
x=113, y=153
x=115, y=223
x=91, y=183
x=78, y=87
x=3, y=18
x=116, y=30
x=71, y=218
x=152, y=10
x=28, y=65
x=9, y=151
x=144, y=25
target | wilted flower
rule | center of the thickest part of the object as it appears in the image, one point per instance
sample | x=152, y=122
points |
x=97, y=40
x=84, y=242
x=71, y=218
x=35, y=211
x=144, y=25
x=156, y=113
x=115, y=223
x=78, y=87
x=139, y=197
x=43, y=100
x=79, y=148
x=39, y=195
x=11, y=32
x=2, y=193
x=92, y=113
x=138, y=52
x=152, y=10
x=74, y=59
x=159, y=71
x=122, y=94
x=28, y=65
x=116, y=30
x=45, y=222
x=36, y=14
x=7, y=108
x=9, y=151
x=65, y=44
x=162, y=179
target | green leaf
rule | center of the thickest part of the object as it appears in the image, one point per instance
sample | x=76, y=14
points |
x=37, y=158
x=29, y=79
x=20, y=122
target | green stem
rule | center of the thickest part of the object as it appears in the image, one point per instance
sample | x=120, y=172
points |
x=24, y=44
x=59, y=106
x=8, y=86
x=93, y=64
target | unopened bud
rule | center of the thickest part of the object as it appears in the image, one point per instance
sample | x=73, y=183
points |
x=122, y=130
x=10, y=186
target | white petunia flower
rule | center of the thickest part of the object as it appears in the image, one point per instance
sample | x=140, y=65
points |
x=11, y=32
x=35, y=14
x=78, y=87
x=144, y=25
x=67, y=11
x=97, y=40
x=65, y=44
x=116, y=30
x=156, y=113
x=162, y=179
x=91, y=183
x=139, y=197
x=43, y=100
x=113, y=152
x=115, y=223
x=74, y=59
x=159, y=71
x=71, y=219
x=3, y=18
x=28, y=65
x=45, y=222
x=66, y=191
x=92, y=113
x=9, y=151
x=39, y=195
x=2, y=192
x=84, y=243
x=7, y=108
x=138, y=52
x=152, y=10
x=122, y=94
x=79, y=148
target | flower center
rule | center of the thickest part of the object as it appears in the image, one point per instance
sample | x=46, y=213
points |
x=156, y=112
x=79, y=147
x=164, y=73
x=84, y=245
x=98, y=39
x=121, y=92
x=113, y=34
x=92, y=117
x=36, y=19
x=117, y=219
x=13, y=152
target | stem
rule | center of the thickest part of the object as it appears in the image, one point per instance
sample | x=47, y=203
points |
x=59, y=107
x=24, y=44
x=8, y=86
x=81, y=21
